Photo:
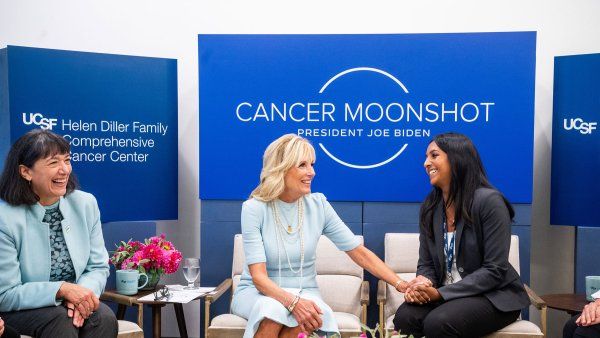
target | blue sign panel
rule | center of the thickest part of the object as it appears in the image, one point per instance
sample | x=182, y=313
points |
x=370, y=104
x=576, y=141
x=119, y=113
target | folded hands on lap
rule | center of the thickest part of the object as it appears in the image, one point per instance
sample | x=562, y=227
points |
x=420, y=290
x=590, y=314
x=308, y=315
x=72, y=312
x=80, y=302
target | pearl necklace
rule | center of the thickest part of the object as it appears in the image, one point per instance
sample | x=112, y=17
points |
x=279, y=232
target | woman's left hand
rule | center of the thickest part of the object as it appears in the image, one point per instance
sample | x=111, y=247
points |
x=72, y=312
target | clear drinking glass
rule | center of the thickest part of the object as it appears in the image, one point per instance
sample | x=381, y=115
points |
x=191, y=271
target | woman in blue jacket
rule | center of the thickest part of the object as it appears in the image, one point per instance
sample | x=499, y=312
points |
x=52, y=254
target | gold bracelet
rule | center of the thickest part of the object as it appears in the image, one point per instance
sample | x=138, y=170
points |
x=398, y=283
x=285, y=301
x=294, y=302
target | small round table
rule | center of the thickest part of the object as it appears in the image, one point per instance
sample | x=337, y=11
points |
x=569, y=302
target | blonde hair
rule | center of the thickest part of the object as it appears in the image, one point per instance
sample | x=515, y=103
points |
x=280, y=156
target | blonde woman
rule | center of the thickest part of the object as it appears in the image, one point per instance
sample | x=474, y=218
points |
x=281, y=225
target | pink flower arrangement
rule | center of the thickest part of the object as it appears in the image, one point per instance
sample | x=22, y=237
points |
x=155, y=255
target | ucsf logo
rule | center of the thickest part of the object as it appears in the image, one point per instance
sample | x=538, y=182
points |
x=39, y=120
x=579, y=124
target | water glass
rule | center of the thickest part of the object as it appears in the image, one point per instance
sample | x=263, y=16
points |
x=191, y=271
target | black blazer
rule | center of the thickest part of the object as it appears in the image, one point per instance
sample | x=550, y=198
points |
x=481, y=255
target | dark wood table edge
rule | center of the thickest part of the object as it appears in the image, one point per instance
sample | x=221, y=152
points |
x=571, y=303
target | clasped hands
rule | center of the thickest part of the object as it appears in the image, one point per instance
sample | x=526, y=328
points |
x=590, y=314
x=80, y=302
x=420, y=290
x=308, y=315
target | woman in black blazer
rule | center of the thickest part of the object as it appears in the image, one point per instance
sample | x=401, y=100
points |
x=465, y=286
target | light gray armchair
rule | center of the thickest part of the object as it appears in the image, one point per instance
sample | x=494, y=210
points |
x=340, y=282
x=402, y=254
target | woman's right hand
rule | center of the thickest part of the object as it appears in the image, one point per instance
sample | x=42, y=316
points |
x=308, y=315
x=84, y=299
x=420, y=279
x=1, y=326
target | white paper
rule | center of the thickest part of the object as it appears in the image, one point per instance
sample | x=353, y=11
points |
x=179, y=295
x=596, y=295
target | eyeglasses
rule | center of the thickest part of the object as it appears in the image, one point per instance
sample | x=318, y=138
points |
x=162, y=294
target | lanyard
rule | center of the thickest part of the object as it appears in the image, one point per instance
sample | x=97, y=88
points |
x=448, y=248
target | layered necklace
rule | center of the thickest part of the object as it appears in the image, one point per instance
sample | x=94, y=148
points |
x=288, y=234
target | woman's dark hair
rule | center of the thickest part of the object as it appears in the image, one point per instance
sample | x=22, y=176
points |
x=34, y=145
x=467, y=175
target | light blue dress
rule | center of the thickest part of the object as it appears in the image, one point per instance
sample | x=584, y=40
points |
x=260, y=246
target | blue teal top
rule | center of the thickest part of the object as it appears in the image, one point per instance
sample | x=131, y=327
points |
x=260, y=239
x=25, y=251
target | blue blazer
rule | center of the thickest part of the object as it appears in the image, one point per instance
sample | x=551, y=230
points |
x=25, y=251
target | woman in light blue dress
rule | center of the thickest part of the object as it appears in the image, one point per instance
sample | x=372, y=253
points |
x=281, y=225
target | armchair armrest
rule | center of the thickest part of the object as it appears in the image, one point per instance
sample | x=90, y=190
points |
x=364, y=293
x=381, y=292
x=536, y=300
x=540, y=304
x=364, y=300
x=381, y=299
x=218, y=291
x=211, y=298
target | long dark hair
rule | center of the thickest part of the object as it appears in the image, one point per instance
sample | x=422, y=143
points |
x=467, y=175
x=32, y=146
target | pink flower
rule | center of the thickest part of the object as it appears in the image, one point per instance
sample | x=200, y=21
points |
x=363, y=335
x=155, y=254
x=302, y=335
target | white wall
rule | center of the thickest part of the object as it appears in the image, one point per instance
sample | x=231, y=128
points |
x=169, y=29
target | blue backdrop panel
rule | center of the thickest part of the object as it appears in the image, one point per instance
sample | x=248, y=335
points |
x=575, y=141
x=397, y=213
x=4, y=117
x=586, y=256
x=119, y=114
x=369, y=103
